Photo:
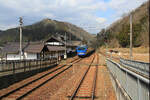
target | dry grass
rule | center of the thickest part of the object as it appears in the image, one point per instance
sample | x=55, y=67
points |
x=127, y=50
x=139, y=54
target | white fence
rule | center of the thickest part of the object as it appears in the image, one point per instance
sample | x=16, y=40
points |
x=141, y=67
x=135, y=85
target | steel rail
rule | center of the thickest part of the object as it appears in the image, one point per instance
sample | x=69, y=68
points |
x=94, y=82
x=24, y=85
x=81, y=81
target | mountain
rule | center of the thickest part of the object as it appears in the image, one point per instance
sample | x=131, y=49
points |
x=117, y=34
x=43, y=30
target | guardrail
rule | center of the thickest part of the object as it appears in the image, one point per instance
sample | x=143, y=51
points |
x=12, y=67
x=141, y=67
x=135, y=85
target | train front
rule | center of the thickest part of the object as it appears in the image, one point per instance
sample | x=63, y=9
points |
x=81, y=51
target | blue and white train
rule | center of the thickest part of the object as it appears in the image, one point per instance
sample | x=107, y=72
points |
x=82, y=50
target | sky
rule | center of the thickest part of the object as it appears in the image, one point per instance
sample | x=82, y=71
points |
x=91, y=15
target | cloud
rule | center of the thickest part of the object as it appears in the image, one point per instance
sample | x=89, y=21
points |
x=124, y=6
x=100, y=20
x=84, y=13
x=49, y=15
x=4, y=26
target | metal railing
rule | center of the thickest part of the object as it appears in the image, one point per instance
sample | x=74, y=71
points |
x=134, y=85
x=141, y=67
x=15, y=66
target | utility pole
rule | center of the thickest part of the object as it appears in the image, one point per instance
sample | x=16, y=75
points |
x=21, y=22
x=70, y=38
x=65, y=56
x=131, y=36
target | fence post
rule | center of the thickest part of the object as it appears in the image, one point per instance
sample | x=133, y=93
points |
x=24, y=66
x=1, y=67
x=44, y=62
x=49, y=61
x=139, y=89
x=40, y=63
x=127, y=82
x=30, y=65
x=144, y=68
x=13, y=67
x=36, y=62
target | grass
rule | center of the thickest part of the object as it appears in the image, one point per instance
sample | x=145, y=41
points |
x=127, y=50
x=139, y=54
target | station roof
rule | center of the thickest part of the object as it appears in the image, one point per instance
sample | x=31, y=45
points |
x=54, y=39
x=34, y=48
x=56, y=48
x=14, y=47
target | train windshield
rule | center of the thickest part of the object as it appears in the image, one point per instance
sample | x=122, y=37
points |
x=81, y=48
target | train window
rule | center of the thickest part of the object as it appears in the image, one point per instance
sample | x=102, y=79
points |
x=81, y=48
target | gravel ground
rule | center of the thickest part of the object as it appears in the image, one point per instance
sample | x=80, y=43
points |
x=14, y=86
x=104, y=88
x=51, y=88
x=62, y=86
x=67, y=88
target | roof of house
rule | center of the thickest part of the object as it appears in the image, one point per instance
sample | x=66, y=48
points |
x=34, y=48
x=56, y=48
x=13, y=47
x=54, y=39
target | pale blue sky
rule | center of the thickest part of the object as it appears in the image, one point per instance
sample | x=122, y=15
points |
x=92, y=15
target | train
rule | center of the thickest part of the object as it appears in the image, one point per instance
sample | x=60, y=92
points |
x=82, y=50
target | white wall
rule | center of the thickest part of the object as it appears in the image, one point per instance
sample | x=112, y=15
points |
x=54, y=43
x=17, y=56
x=30, y=56
x=13, y=56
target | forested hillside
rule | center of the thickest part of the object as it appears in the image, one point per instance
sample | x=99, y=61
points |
x=44, y=29
x=117, y=34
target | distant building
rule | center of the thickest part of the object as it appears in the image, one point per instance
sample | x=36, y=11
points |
x=34, y=51
x=30, y=51
x=52, y=47
x=70, y=46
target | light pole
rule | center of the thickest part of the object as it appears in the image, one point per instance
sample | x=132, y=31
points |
x=131, y=36
x=20, y=20
x=65, y=56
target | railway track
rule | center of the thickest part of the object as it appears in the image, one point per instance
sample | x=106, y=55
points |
x=86, y=86
x=26, y=88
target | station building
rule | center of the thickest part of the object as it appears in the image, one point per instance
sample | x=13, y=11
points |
x=50, y=48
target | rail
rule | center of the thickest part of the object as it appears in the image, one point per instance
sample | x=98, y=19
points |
x=134, y=86
x=141, y=67
x=45, y=77
x=12, y=67
x=81, y=81
x=94, y=83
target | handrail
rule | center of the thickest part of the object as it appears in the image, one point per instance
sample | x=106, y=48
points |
x=132, y=82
